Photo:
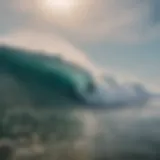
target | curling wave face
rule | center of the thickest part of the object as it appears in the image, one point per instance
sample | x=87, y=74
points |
x=42, y=80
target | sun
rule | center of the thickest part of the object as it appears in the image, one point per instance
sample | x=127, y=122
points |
x=64, y=13
x=61, y=6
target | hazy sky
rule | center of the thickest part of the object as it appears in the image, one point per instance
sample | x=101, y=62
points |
x=121, y=36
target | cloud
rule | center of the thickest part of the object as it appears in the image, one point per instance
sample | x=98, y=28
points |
x=119, y=20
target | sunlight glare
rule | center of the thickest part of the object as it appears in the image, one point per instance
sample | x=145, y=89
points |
x=61, y=6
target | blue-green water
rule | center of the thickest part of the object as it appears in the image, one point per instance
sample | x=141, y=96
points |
x=43, y=80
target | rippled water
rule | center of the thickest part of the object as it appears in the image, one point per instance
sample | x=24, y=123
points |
x=131, y=133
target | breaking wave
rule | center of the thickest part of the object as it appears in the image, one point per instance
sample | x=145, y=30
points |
x=31, y=77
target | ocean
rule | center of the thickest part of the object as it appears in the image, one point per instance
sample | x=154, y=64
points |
x=54, y=109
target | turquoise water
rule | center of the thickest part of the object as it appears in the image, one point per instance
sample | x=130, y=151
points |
x=44, y=79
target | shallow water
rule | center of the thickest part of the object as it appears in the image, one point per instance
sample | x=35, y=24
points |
x=130, y=133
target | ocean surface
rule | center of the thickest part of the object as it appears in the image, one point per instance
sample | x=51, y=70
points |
x=52, y=109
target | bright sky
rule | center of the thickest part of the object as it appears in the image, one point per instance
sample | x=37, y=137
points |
x=122, y=36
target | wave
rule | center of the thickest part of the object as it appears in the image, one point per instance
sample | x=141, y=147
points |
x=45, y=80
x=34, y=78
